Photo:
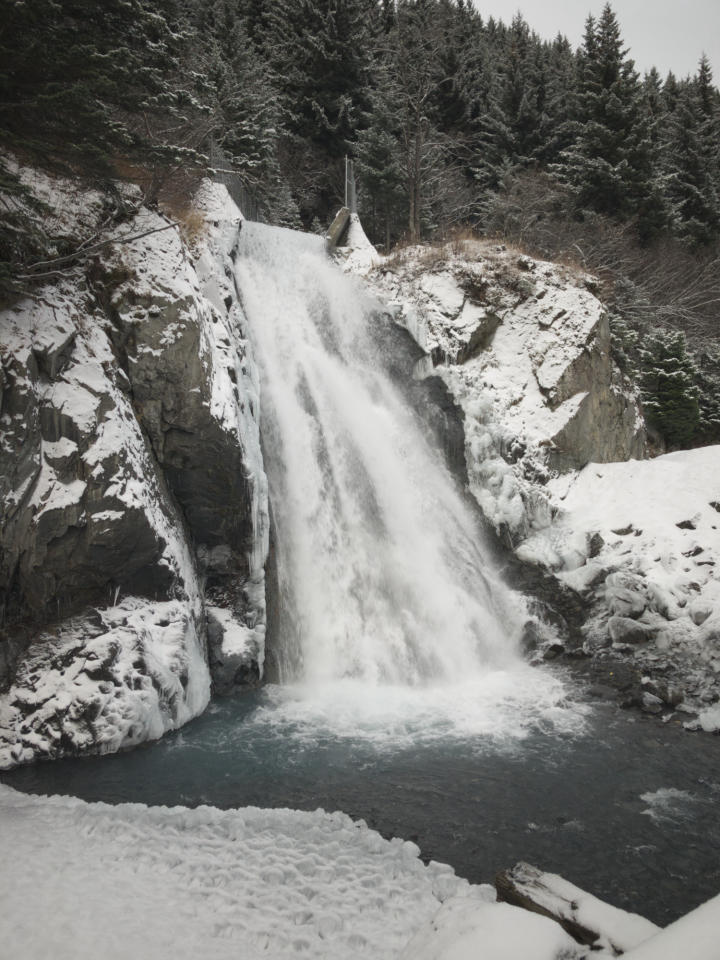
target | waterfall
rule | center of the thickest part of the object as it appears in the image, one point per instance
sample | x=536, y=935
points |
x=381, y=565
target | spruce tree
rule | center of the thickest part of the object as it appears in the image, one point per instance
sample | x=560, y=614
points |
x=668, y=388
x=559, y=103
x=379, y=160
x=319, y=51
x=691, y=171
x=610, y=162
x=83, y=81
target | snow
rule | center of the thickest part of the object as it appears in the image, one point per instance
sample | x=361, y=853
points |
x=238, y=639
x=72, y=208
x=127, y=881
x=709, y=719
x=656, y=520
x=358, y=255
x=469, y=929
x=139, y=673
x=696, y=936
x=656, y=530
x=88, y=880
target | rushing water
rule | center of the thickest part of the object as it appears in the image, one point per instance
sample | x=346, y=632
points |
x=403, y=697
x=381, y=564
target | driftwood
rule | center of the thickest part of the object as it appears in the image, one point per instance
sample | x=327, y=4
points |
x=517, y=888
x=588, y=921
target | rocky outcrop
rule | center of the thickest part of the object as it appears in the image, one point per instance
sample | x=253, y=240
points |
x=617, y=552
x=524, y=347
x=132, y=490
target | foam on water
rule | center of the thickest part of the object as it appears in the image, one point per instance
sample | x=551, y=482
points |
x=391, y=612
x=499, y=708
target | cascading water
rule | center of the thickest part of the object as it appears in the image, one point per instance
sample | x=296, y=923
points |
x=383, y=578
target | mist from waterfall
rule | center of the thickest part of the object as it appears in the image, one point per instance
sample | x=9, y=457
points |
x=386, y=589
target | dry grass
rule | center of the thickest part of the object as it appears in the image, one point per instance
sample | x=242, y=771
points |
x=172, y=190
x=192, y=225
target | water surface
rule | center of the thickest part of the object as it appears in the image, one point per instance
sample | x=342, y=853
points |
x=626, y=808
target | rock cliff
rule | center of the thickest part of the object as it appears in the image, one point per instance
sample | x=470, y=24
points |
x=524, y=347
x=134, y=523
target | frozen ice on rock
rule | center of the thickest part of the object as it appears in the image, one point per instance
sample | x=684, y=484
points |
x=138, y=672
x=162, y=883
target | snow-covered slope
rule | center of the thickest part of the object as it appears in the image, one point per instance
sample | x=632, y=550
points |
x=131, y=485
x=641, y=541
x=169, y=884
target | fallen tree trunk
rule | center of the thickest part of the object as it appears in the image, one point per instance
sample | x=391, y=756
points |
x=588, y=920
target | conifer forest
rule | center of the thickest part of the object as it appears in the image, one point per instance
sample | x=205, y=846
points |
x=456, y=122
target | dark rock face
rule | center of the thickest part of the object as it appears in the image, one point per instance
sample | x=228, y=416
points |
x=133, y=499
x=70, y=534
x=428, y=395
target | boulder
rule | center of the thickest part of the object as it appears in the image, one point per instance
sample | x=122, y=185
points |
x=626, y=630
x=700, y=611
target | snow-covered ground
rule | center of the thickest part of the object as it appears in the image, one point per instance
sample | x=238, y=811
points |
x=81, y=881
x=85, y=881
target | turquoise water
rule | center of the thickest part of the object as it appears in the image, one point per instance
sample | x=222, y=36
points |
x=626, y=808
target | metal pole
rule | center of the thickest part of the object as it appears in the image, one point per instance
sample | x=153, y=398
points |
x=346, y=180
x=351, y=188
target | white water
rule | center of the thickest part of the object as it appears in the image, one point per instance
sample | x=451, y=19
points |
x=384, y=582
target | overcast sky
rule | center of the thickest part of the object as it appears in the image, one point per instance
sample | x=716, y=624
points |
x=669, y=34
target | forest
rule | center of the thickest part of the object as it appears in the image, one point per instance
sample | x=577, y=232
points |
x=456, y=122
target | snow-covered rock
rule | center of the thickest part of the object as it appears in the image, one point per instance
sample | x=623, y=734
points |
x=554, y=442
x=467, y=929
x=131, y=486
x=589, y=920
x=524, y=347
x=652, y=580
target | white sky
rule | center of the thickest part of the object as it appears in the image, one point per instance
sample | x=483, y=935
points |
x=668, y=34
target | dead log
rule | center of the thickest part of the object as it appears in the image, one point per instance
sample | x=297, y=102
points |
x=588, y=920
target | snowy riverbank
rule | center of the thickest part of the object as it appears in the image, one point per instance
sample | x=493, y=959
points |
x=165, y=883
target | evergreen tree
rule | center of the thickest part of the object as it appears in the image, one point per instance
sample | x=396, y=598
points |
x=414, y=45
x=559, y=112
x=690, y=167
x=319, y=51
x=708, y=383
x=379, y=160
x=668, y=388
x=85, y=81
x=610, y=162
